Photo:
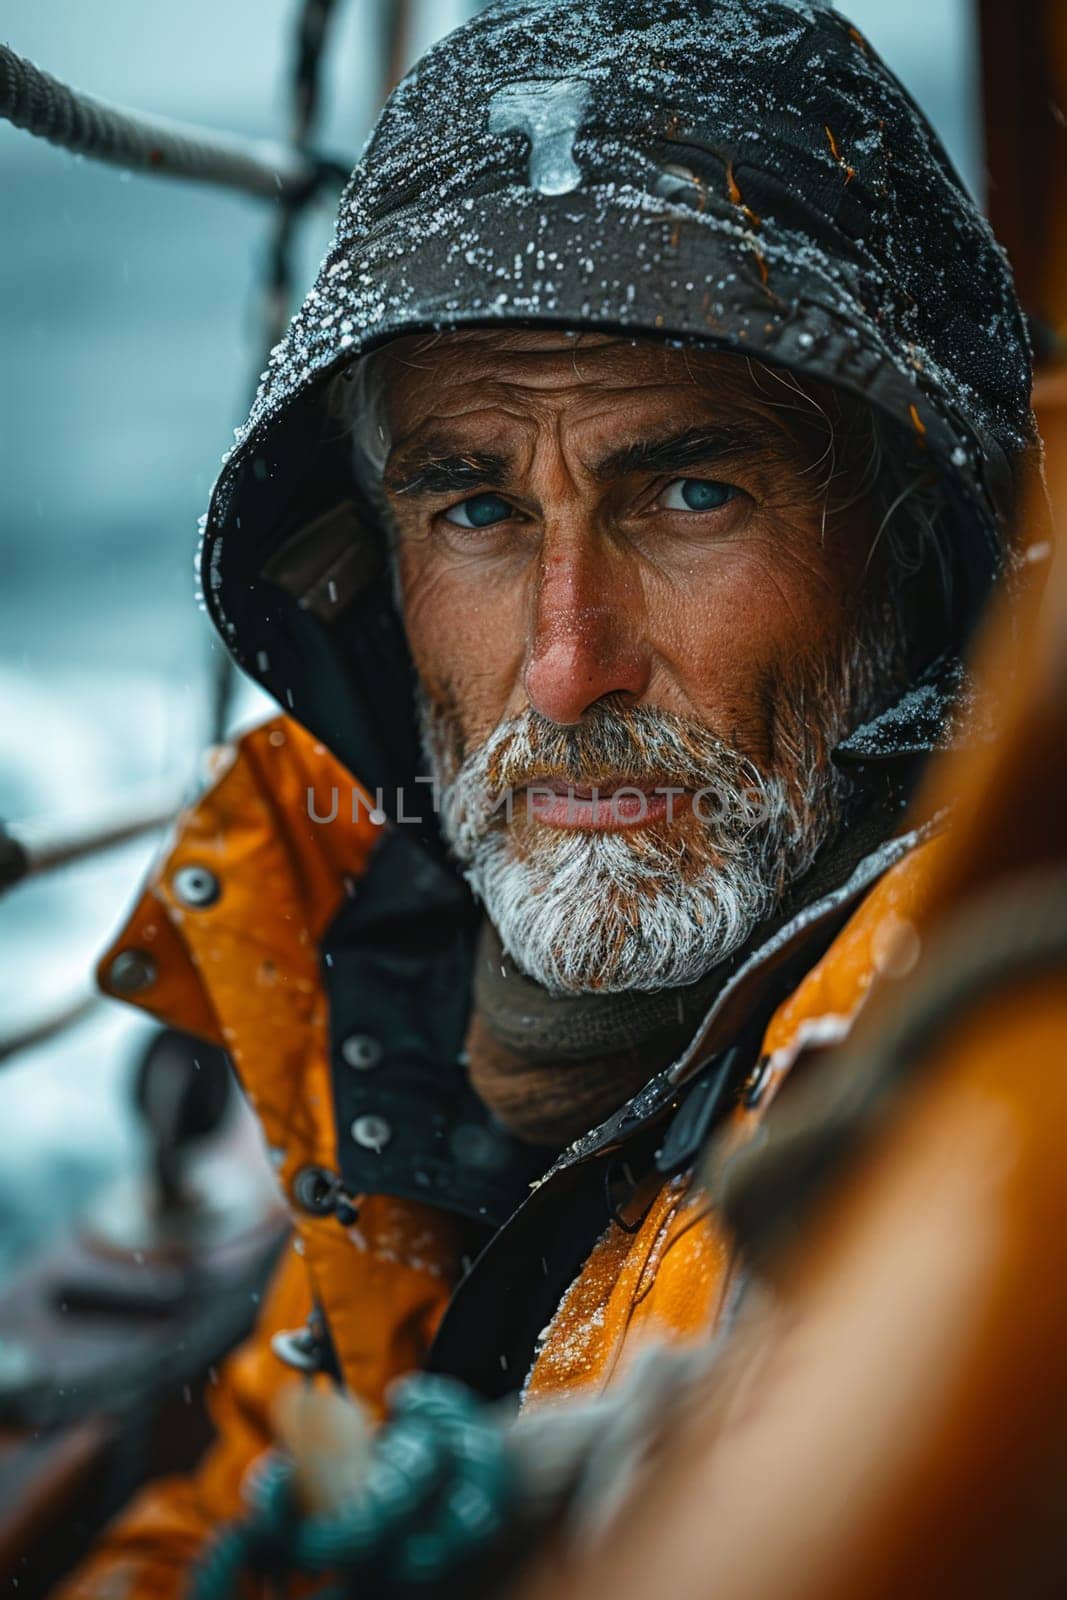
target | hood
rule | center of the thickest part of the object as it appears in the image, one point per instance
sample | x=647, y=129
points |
x=743, y=174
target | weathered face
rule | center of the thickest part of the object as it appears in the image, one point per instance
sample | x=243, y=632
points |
x=621, y=568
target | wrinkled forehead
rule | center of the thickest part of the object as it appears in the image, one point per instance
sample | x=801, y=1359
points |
x=416, y=385
x=414, y=372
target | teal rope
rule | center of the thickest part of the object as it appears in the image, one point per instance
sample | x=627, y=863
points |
x=437, y=1496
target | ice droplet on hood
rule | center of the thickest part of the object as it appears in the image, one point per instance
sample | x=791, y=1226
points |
x=550, y=115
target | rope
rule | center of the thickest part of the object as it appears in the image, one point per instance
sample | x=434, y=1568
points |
x=455, y=1492
x=394, y=22
x=276, y=291
x=64, y=1016
x=435, y=1501
x=305, y=98
x=288, y=175
x=38, y=103
x=307, y=68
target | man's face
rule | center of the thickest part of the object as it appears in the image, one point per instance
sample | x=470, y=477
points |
x=621, y=570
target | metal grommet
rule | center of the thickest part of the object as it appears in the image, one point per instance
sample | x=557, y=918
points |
x=361, y=1051
x=196, y=886
x=299, y=1348
x=316, y=1190
x=131, y=971
x=754, y=1087
x=372, y=1132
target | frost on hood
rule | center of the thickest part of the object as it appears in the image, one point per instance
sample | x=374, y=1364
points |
x=444, y=216
x=923, y=719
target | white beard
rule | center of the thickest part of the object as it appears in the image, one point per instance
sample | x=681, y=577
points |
x=582, y=914
x=642, y=908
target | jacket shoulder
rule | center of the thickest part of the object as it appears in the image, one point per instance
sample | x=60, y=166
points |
x=260, y=860
x=880, y=938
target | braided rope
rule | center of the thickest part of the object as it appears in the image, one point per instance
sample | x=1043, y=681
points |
x=38, y=103
x=456, y=1491
x=435, y=1501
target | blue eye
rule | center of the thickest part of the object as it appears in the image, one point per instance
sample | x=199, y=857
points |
x=480, y=511
x=695, y=494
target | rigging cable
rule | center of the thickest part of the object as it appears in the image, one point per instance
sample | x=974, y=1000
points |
x=276, y=293
x=43, y=106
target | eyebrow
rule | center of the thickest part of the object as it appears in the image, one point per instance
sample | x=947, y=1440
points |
x=434, y=470
x=696, y=447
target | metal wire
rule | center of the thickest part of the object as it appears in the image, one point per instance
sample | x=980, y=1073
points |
x=28, y=851
x=40, y=104
x=276, y=293
x=305, y=101
x=289, y=175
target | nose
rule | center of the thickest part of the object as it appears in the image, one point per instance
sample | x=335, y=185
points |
x=587, y=633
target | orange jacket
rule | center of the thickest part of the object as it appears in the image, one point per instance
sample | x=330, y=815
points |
x=243, y=972
x=891, y=1415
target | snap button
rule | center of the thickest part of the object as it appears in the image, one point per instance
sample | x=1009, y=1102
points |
x=131, y=971
x=359, y=1050
x=196, y=886
x=315, y=1190
x=299, y=1348
x=372, y=1132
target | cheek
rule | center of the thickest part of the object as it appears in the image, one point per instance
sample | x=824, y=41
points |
x=747, y=620
x=465, y=639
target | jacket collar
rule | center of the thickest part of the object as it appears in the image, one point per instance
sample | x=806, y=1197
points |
x=397, y=963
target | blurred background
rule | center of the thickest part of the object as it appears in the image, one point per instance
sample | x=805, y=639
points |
x=131, y=331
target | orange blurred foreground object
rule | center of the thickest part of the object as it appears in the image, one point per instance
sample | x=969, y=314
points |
x=889, y=1417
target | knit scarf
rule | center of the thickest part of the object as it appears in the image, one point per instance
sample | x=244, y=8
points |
x=550, y=1066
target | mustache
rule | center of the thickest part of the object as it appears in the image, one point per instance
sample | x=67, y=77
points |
x=635, y=744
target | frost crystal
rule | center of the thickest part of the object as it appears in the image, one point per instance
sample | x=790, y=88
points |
x=550, y=115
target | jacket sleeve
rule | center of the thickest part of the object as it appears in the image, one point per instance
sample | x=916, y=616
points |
x=147, y=1551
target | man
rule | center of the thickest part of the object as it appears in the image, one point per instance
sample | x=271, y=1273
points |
x=627, y=485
